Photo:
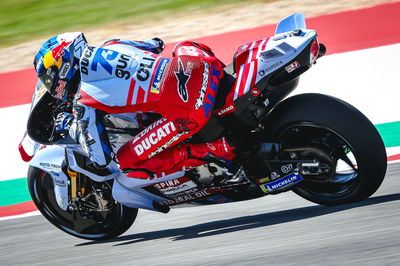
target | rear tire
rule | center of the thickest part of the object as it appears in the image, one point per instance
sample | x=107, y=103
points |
x=93, y=227
x=323, y=116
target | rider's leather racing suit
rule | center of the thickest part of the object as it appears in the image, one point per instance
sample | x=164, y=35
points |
x=128, y=77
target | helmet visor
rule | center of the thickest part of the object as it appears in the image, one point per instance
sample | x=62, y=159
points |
x=48, y=79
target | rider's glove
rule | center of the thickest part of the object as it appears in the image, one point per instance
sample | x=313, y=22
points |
x=155, y=44
x=63, y=123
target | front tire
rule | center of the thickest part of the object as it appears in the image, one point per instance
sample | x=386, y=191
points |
x=92, y=225
x=338, y=129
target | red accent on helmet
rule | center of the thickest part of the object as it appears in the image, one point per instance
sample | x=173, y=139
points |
x=58, y=51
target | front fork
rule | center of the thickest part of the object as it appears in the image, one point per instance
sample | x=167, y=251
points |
x=73, y=176
x=66, y=188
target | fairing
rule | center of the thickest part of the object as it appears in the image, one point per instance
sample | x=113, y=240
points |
x=28, y=146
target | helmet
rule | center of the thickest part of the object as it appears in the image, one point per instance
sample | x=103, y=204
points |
x=57, y=64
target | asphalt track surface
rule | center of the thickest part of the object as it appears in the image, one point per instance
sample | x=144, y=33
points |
x=282, y=229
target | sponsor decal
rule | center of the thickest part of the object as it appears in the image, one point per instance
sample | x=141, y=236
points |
x=60, y=89
x=121, y=65
x=50, y=166
x=281, y=183
x=270, y=68
x=190, y=191
x=203, y=89
x=226, y=110
x=102, y=58
x=86, y=137
x=154, y=138
x=84, y=63
x=90, y=142
x=176, y=186
x=182, y=81
x=60, y=183
x=292, y=67
x=210, y=97
x=275, y=175
x=286, y=168
x=155, y=87
x=40, y=92
x=58, y=51
x=188, y=50
x=64, y=70
x=147, y=129
x=189, y=68
x=186, y=197
x=167, y=144
x=143, y=73
x=255, y=92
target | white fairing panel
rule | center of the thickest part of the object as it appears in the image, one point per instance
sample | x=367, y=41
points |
x=130, y=198
x=282, y=49
x=49, y=159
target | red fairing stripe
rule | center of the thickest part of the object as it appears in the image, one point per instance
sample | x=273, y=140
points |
x=243, y=82
x=130, y=93
x=25, y=157
x=253, y=78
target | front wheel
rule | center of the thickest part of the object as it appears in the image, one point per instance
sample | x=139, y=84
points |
x=97, y=217
x=316, y=126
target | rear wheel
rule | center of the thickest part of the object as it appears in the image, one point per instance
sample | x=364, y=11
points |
x=315, y=126
x=88, y=220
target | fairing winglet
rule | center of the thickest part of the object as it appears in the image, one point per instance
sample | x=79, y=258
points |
x=291, y=23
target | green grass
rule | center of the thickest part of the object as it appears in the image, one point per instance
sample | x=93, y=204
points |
x=23, y=20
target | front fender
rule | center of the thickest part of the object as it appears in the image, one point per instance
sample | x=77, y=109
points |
x=51, y=159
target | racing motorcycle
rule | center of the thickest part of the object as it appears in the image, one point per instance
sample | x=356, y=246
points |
x=318, y=146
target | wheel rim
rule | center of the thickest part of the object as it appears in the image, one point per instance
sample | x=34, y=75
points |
x=346, y=174
x=92, y=226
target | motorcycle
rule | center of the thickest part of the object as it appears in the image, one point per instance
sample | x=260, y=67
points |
x=318, y=146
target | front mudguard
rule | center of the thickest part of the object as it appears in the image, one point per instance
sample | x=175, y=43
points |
x=51, y=159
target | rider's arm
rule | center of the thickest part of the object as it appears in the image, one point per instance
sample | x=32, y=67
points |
x=155, y=45
x=92, y=135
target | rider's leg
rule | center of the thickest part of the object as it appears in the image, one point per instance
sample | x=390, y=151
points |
x=153, y=148
x=176, y=158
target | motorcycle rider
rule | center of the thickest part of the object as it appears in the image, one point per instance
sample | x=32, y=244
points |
x=125, y=76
